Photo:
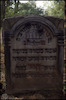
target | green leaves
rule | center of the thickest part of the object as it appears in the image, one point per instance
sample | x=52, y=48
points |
x=23, y=9
x=56, y=9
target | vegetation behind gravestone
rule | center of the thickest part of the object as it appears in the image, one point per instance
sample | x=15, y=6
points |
x=11, y=8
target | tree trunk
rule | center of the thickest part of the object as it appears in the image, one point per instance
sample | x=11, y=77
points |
x=16, y=5
x=3, y=9
x=8, y=2
x=0, y=15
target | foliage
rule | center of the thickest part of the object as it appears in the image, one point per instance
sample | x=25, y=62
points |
x=11, y=8
x=23, y=9
x=56, y=9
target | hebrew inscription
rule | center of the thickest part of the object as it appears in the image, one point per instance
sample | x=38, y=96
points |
x=33, y=51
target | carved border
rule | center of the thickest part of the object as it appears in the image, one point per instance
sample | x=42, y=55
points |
x=8, y=34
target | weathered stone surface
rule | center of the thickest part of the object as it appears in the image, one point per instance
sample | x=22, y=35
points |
x=33, y=54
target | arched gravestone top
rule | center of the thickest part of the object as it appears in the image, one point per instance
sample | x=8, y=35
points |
x=33, y=48
x=57, y=22
x=39, y=19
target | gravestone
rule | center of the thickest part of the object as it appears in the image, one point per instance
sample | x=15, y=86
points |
x=34, y=55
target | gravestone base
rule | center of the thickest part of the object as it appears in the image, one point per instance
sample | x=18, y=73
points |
x=46, y=94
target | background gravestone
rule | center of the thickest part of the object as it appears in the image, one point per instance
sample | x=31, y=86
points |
x=34, y=55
